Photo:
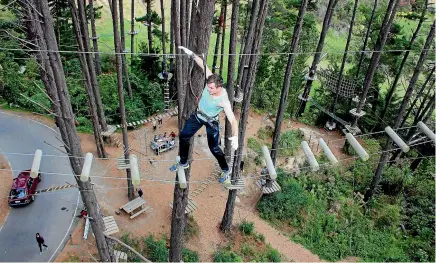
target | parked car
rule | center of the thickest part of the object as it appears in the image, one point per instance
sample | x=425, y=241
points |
x=23, y=189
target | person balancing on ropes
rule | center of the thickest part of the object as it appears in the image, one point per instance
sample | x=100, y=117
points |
x=213, y=100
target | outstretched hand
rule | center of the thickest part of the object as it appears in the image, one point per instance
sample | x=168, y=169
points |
x=187, y=51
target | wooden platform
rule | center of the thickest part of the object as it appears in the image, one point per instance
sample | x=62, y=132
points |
x=268, y=190
x=110, y=225
x=122, y=164
x=120, y=256
x=110, y=129
x=191, y=207
x=131, y=206
x=237, y=185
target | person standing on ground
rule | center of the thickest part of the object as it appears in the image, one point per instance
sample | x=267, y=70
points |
x=154, y=125
x=140, y=193
x=213, y=100
x=41, y=243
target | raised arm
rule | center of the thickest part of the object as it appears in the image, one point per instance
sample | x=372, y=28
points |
x=198, y=60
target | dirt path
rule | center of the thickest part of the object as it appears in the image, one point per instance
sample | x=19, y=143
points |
x=6, y=183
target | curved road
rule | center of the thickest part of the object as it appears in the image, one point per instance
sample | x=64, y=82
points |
x=52, y=213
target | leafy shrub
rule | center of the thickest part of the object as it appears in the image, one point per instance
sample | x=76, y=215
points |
x=226, y=255
x=246, y=228
x=273, y=255
x=289, y=142
x=85, y=125
x=189, y=255
x=156, y=250
x=254, y=145
x=265, y=132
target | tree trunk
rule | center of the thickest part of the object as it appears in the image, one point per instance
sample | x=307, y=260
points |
x=40, y=29
x=122, y=50
x=287, y=81
x=394, y=85
x=223, y=37
x=149, y=28
x=94, y=39
x=316, y=58
x=381, y=40
x=132, y=31
x=260, y=17
x=418, y=95
x=164, y=50
x=117, y=44
x=201, y=27
x=388, y=146
x=90, y=62
x=344, y=58
x=365, y=40
x=217, y=48
x=87, y=78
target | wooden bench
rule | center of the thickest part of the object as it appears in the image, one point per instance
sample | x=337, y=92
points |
x=191, y=207
x=268, y=190
x=238, y=184
x=131, y=206
x=120, y=256
x=110, y=225
x=122, y=164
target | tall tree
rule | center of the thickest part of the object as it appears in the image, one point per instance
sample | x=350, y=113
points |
x=94, y=38
x=149, y=28
x=123, y=48
x=164, y=50
x=365, y=39
x=375, y=58
x=87, y=77
x=344, y=58
x=118, y=61
x=223, y=37
x=287, y=80
x=260, y=17
x=132, y=30
x=218, y=28
x=39, y=25
x=394, y=85
x=316, y=58
x=389, y=143
x=200, y=30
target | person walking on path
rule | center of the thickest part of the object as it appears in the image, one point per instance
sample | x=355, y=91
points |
x=214, y=99
x=41, y=243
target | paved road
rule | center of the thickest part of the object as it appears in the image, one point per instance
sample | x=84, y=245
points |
x=51, y=214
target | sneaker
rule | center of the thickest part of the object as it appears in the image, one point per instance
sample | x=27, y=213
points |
x=176, y=166
x=40, y=253
x=225, y=178
x=46, y=248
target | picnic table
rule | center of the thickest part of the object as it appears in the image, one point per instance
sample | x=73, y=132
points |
x=131, y=206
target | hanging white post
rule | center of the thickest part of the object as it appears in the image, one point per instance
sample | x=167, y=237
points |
x=134, y=170
x=426, y=130
x=181, y=175
x=34, y=171
x=397, y=139
x=86, y=169
x=328, y=152
x=357, y=147
x=310, y=157
x=269, y=164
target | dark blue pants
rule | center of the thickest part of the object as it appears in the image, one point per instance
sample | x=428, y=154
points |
x=192, y=125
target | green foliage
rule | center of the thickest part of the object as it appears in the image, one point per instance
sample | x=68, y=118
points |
x=189, y=255
x=191, y=229
x=156, y=250
x=225, y=255
x=246, y=228
x=289, y=142
x=254, y=145
x=85, y=125
x=72, y=258
x=264, y=133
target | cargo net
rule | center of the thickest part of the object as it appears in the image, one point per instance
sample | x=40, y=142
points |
x=329, y=79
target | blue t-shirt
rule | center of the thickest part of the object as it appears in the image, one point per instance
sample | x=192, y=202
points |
x=211, y=105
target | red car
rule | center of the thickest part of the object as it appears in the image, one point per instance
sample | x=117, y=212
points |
x=23, y=189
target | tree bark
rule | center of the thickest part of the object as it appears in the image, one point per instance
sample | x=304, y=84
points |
x=41, y=31
x=94, y=39
x=87, y=79
x=394, y=85
x=217, y=47
x=149, y=28
x=132, y=31
x=365, y=40
x=122, y=49
x=164, y=50
x=117, y=44
x=223, y=38
x=375, y=58
x=344, y=58
x=316, y=58
x=287, y=81
x=388, y=146
x=201, y=27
